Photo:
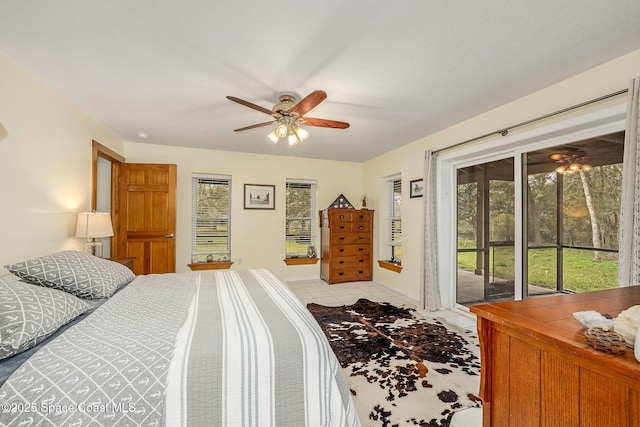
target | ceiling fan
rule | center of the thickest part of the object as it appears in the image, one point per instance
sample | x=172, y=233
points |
x=289, y=115
x=574, y=161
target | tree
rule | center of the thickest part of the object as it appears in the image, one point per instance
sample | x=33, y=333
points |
x=501, y=210
x=541, y=208
x=467, y=206
x=595, y=228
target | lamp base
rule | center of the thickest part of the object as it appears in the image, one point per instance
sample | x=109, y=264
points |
x=94, y=247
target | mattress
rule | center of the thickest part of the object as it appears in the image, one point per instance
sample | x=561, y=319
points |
x=224, y=348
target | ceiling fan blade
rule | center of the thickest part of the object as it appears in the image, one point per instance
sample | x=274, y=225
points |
x=259, y=125
x=311, y=100
x=250, y=105
x=323, y=123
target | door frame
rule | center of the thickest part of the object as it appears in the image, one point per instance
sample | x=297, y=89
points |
x=607, y=120
x=100, y=151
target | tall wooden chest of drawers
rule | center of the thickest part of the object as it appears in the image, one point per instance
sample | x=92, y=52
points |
x=346, y=245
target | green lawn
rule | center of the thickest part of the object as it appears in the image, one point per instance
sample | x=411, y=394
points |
x=581, y=273
x=292, y=247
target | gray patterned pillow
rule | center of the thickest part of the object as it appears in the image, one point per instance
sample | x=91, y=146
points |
x=75, y=272
x=30, y=313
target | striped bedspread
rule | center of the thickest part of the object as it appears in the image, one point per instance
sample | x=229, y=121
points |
x=224, y=348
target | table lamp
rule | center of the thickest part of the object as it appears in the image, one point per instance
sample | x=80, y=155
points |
x=93, y=226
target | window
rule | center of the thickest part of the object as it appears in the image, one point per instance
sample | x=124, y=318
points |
x=391, y=228
x=211, y=218
x=301, y=221
x=573, y=208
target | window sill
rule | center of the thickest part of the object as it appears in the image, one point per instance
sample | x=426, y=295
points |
x=393, y=266
x=300, y=261
x=212, y=265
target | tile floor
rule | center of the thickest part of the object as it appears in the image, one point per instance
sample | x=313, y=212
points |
x=318, y=291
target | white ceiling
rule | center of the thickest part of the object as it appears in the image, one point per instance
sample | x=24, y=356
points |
x=395, y=70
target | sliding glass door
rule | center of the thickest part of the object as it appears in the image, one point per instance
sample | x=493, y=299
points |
x=570, y=204
x=485, y=232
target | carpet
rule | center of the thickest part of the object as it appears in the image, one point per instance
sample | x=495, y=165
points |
x=403, y=369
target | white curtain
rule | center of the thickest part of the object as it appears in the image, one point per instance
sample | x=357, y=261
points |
x=430, y=289
x=629, y=243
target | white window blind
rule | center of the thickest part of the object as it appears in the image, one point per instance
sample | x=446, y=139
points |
x=211, y=218
x=391, y=229
x=301, y=217
x=395, y=212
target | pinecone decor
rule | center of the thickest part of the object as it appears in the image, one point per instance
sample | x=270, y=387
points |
x=605, y=340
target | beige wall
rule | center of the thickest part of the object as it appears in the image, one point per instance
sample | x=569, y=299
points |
x=45, y=165
x=408, y=160
x=257, y=236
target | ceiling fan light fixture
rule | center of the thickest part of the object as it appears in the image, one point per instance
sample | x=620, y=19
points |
x=301, y=133
x=273, y=136
x=282, y=130
x=293, y=140
x=574, y=167
x=571, y=163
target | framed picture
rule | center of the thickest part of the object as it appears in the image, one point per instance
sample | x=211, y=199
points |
x=257, y=196
x=416, y=188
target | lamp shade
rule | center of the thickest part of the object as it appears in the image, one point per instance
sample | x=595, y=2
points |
x=94, y=225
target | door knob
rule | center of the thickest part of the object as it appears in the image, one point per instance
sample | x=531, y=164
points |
x=170, y=235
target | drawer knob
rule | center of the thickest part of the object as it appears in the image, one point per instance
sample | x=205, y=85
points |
x=341, y=227
x=362, y=227
x=340, y=238
x=360, y=260
x=341, y=216
x=341, y=261
x=361, y=238
x=341, y=250
x=341, y=273
x=361, y=249
x=360, y=272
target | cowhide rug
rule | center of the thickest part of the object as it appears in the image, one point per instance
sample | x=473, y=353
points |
x=403, y=369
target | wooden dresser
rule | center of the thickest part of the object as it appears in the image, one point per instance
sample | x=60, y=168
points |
x=537, y=369
x=127, y=262
x=346, y=245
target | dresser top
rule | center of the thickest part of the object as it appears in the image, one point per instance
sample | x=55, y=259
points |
x=550, y=318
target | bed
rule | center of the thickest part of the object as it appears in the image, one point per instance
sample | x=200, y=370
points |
x=223, y=348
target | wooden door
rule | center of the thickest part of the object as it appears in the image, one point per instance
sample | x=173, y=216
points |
x=144, y=216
